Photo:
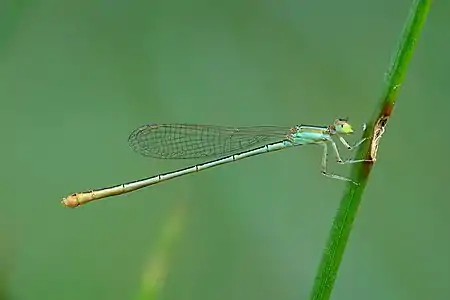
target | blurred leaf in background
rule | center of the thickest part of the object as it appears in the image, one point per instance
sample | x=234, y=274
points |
x=161, y=258
x=8, y=254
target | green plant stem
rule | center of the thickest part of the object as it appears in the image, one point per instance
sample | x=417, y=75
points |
x=342, y=224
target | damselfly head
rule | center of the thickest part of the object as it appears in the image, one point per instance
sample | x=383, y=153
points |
x=342, y=126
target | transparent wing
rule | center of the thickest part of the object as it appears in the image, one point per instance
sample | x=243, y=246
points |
x=182, y=141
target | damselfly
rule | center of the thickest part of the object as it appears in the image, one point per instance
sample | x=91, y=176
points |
x=230, y=144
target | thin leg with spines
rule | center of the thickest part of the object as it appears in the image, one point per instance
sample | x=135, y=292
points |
x=351, y=161
x=325, y=164
x=346, y=144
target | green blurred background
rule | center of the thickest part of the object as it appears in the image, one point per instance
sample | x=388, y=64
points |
x=76, y=77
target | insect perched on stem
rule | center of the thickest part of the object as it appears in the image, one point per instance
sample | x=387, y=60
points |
x=225, y=144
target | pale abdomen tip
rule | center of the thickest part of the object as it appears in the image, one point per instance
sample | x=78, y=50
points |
x=70, y=201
